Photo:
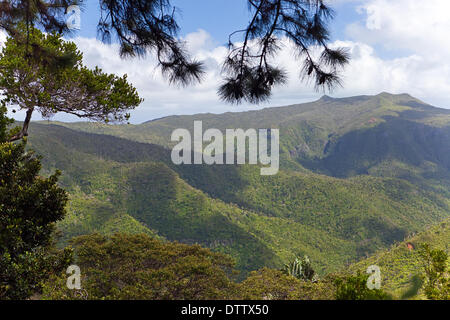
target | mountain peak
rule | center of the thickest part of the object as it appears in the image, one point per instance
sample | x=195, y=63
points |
x=384, y=93
x=398, y=95
x=402, y=98
x=326, y=98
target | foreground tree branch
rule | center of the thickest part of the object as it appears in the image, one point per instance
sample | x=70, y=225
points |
x=24, y=131
x=250, y=70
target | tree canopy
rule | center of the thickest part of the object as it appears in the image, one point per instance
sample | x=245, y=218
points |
x=35, y=83
x=29, y=207
x=140, y=267
x=250, y=69
x=354, y=287
x=436, y=276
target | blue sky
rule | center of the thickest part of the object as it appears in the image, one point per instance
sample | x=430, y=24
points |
x=396, y=46
x=221, y=17
x=218, y=17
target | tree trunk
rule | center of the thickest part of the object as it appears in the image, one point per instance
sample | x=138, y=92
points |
x=24, y=131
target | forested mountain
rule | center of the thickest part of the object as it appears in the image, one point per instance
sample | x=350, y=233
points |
x=357, y=175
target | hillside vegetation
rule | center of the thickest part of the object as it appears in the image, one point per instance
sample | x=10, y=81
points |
x=357, y=175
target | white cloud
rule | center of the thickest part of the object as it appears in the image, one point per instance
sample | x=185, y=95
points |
x=417, y=29
x=161, y=99
x=418, y=26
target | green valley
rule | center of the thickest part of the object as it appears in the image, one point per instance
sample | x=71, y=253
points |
x=357, y=175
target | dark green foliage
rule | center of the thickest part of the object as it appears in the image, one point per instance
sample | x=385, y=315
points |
x=5, y=122
x=270, y=284
x=413, y=290
x=354, y=287
x=47, y=14
x=24, y=272
x=29, y=207
x=436, y=278
x=139, y=267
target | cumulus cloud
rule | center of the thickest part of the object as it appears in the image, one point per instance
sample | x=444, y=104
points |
x=417, y=26
x=161, y=99
x=413, y=32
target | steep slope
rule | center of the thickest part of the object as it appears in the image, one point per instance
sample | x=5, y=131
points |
x=151, y=198
x=122, y=185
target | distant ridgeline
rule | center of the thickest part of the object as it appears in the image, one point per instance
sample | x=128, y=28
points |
x=356, y=176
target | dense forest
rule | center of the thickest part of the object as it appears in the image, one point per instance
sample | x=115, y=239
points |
x=119, y=185
x=98, y=210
